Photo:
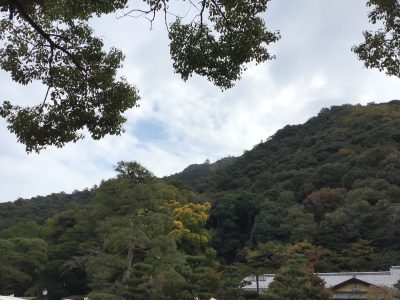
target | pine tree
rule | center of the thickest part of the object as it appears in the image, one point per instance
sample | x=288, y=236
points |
x=296, y=281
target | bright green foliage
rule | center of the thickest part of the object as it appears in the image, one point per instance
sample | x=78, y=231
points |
x=381, y=49
x=190, y=233
x=296, y=281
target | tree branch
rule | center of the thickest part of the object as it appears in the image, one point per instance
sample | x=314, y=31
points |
x=203, y=6
x=45, y=35
x=228, y=26
x=165, y=18
x=50, y=75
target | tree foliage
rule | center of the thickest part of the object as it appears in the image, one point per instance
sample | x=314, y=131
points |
x=51, y=42
x=142, y=236
x=133, y=170
x=21, y=262
x=296, y=281
x=333, y=181
x=138, y=237
x=381, y=49
x=236, y=35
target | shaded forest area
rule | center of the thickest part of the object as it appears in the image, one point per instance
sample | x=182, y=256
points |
x=328, y=190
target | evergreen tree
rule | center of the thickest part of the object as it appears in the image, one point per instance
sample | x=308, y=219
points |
x=296, y=281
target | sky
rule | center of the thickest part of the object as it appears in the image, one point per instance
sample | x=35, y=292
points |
x=180, y=123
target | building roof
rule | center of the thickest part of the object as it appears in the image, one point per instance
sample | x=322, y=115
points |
x=384, y=278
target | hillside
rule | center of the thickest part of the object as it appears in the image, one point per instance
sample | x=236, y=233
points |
x=333, y=181
x=328, y=189
x=194, y=175
x=40, y=208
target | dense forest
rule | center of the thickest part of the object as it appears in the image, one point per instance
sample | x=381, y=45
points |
x=328, y=190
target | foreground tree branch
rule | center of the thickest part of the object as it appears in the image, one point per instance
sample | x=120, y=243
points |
x=51, y=42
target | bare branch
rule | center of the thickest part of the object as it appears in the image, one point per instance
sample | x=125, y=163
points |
x=203, y=6
x=50, y=75
x=165, y=18
x=190, y=8
x=152, y=19
x=142, y=12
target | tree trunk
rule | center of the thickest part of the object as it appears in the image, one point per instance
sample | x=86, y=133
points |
x=127, y=272
x=257, y=284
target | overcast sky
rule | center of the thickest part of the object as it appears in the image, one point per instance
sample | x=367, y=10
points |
x=180, y=123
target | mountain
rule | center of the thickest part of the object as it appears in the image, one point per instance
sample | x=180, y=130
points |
x=40, y=208
x=328, y=189
x=194, y=175
x=333, y=181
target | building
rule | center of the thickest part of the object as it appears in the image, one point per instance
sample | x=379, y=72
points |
x=344, y=285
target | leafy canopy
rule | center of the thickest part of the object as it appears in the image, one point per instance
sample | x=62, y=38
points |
x=381, y=49
x=296, y=281
x=51, y=42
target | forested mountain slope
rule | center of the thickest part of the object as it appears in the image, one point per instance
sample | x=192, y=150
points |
x=328, y=189
x=40, y=208
x=333, y=181
x=195, y=174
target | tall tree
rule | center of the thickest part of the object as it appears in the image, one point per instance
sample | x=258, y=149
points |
x=296, y=281
x=21, y=262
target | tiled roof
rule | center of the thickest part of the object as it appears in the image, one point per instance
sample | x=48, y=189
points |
x=385, y=278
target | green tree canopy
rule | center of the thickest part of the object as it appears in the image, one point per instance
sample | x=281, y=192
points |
x=21, y=262
x=296, y=281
